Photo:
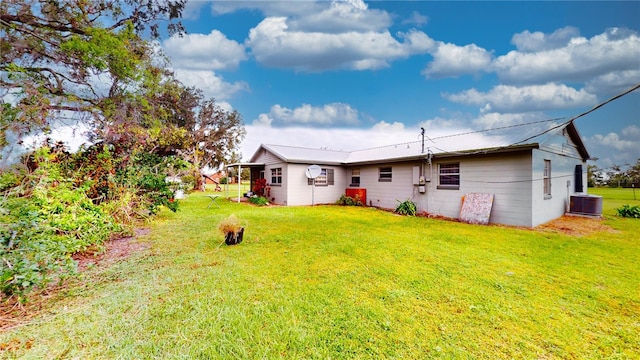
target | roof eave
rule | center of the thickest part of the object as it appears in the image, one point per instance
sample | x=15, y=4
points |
x=495, y=150
x=577, y=139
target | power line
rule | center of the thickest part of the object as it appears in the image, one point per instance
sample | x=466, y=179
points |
x=636, y=87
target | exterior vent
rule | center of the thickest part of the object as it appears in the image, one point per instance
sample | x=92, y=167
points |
x=586, y=205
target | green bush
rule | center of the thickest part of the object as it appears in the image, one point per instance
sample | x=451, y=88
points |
x=66, y=203
x=43, y=223
x=349, y=201
x=406, y=207
x=629, y=211
x=259, y=200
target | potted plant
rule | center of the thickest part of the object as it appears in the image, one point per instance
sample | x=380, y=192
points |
x=233, y=230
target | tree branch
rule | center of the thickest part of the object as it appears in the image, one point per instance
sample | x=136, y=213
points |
x=32, y=21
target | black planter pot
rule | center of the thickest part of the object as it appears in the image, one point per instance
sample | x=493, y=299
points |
x=234, y=238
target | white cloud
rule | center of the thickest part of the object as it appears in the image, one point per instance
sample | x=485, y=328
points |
x=342, y=16
x=615, y=148
x=512, y=99
x=269, y=8
x=210, y=84
x=439, y=124
x=192, y=8
x=315, y=16
x=388, y=127
x=355, y=44
x=494, y=120
x=346, y=139
x=579, y=60
x=537, y=41
x=416, y=19
x=328, y=114
x=450, y=60
x=627, y=141
x=204, y=52
x=614, y=82
x=263, y=120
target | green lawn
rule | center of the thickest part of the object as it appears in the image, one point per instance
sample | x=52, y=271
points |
x=345, y=282
x=616, y=197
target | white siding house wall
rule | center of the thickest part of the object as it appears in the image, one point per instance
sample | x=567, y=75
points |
x=547, y=208
x=267, y=158
x=278, y=192
x=564, y=157
x=301, y=193
x=387, y=194
x=506, y=176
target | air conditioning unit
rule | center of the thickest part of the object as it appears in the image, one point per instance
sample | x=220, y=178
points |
x=586, y=205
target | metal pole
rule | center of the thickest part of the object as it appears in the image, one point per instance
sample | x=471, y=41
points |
x=226, y=184
x=313, y=190
x=239, y=180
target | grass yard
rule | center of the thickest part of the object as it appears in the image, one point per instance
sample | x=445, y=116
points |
x=346, y=282
x=616, y=197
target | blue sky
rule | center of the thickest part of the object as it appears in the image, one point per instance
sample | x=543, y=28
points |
x=351, y=75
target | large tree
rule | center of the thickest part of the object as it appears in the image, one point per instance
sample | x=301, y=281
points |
x=81, y=61
x=197, y=128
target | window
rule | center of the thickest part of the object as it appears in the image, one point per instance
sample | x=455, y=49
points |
x=276, y=176
x=449, y=175
x=546, y=177
x=325, y=178
x=385, y=174
x=322, y=178
x=355, y=177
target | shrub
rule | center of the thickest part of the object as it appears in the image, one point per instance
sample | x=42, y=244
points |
x=259, y=200
x=349, y=201
x=64, y=203
x=406, y=207
x=42, y=223
x=259, y=187
x=629, y=211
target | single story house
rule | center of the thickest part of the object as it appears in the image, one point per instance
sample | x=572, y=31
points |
x=531, y=170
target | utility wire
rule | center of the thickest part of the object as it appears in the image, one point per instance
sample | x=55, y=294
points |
x=636, y=87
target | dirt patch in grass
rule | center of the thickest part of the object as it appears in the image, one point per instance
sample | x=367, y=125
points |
x=114, y=251
x=13, y=313
x=575, y=226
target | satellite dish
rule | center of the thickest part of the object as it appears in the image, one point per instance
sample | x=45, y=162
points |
x=313, y=171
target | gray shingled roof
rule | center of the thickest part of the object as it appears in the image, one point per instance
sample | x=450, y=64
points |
x=498, y=139
x=305, y=155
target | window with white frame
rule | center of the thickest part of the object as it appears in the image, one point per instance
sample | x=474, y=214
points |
x=276, y=176
x=325, y=178
x=449, y=176
x=546, y=178
x=385, y=174
x=355, y=177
